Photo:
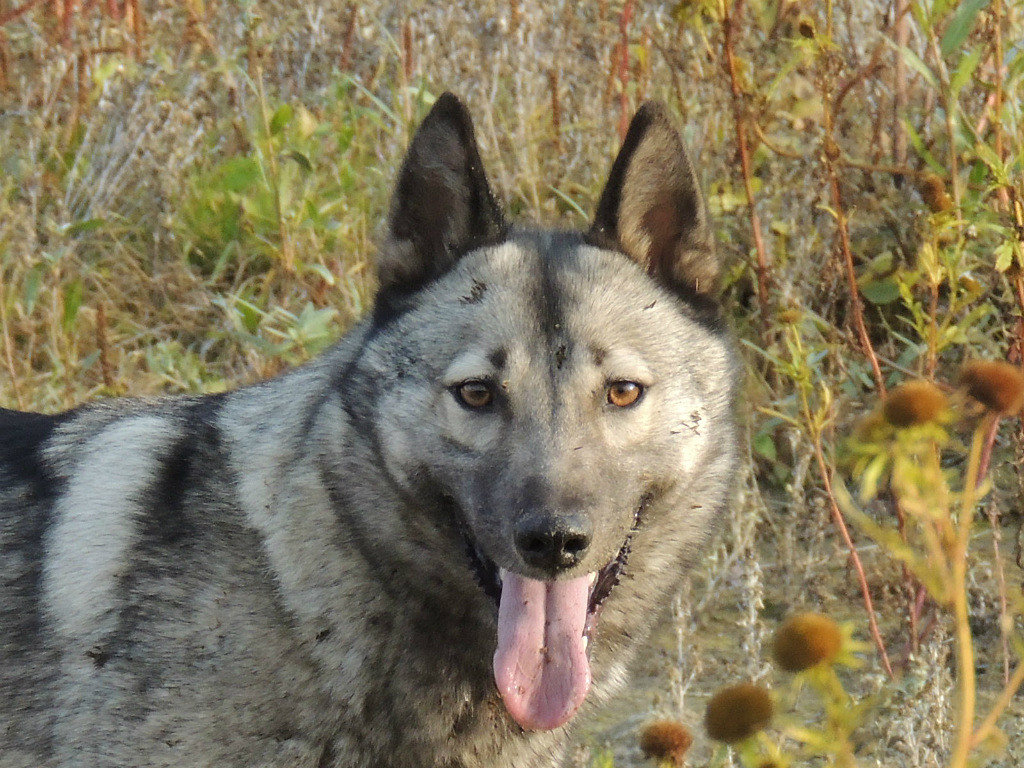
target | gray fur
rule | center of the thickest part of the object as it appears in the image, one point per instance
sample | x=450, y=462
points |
x=280, y=576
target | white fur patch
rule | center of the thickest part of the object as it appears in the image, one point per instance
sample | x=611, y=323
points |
x=94, y=526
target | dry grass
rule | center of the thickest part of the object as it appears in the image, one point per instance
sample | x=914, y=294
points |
x=189, y=200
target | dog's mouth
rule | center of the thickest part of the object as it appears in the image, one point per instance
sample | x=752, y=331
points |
x=542, y=663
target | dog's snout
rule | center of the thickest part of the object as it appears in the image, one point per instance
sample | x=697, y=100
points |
x=553, y=542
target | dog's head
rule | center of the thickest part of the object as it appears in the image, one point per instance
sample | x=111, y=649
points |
x=567, y=393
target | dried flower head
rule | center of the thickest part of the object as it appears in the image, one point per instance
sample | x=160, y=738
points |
x=805, y=640
x=738, y=712
x=805, y=26
x=666, y=741
x=997, y=385
x=933, y=192
x=914, y=403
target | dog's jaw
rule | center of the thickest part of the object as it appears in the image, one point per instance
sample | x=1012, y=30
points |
x=542, y=662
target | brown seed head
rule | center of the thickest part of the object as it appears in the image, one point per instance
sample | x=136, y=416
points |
x=805, y=640
x=997, y=385
x=805, y=26
x=914, y=403
x=933, y=192
x=738, y=712
x=666, y=741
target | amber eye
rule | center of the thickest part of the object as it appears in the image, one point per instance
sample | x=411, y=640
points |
x=474, y=394
x=623, y=393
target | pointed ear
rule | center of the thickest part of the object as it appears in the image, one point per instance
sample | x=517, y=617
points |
x=442, y=205
x=652, y=209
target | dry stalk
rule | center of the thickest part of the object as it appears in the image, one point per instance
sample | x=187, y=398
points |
x=858, y=566
x=729, y=20
x=900, y=98
x=556, y=110
x=830, y=155
x=21, y=10
x=966, y=680
x=623, y=68
x=349, y=37
x=103, y=344
x=5, y=62
x=9, y=351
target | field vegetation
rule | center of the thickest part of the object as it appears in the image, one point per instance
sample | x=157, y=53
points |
x=190, y=196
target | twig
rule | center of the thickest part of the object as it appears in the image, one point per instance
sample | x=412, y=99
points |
x=874, y=64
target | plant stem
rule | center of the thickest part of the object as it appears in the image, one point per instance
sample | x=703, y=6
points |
x=964, y=642
x=729, y=20
x=830, y=154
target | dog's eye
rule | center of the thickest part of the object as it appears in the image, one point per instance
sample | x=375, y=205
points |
x=624, y=393
x=474, y=394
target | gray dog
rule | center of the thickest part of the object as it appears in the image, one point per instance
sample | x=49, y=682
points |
x=428, y=548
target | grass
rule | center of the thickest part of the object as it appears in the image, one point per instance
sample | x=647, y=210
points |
x=190, y=194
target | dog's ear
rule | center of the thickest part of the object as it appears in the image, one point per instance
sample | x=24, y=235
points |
x=652, y=209
x=442, y=205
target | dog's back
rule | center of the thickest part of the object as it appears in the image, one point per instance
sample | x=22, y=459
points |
x=123, y=552
x=27, y=493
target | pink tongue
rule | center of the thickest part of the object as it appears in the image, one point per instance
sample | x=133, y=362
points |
x=541, y=666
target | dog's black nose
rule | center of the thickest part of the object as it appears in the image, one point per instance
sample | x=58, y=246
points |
x=553, y=542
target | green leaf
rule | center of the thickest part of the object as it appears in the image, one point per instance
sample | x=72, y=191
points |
x=281, y=118
x=988, y=156
x=72, y=303
x=1004, y=256
x=763, y=444
x=883, y=291
x=33, y=281
x=83, y=226
x=964, y=70
x=915, y=63
x=303, y=161
x=921, y=149
x=960, y=25
x=239, y=174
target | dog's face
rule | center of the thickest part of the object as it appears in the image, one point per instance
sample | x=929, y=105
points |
x=556, y=386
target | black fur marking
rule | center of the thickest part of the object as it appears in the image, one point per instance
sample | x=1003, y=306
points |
x=604, y=232
x=442, y=205
x=25, y=523
x=167, y=520
x=476, y=293
x=20, y=450
x=498, y=358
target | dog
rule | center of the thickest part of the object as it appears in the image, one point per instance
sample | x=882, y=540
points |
x=429, y=547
